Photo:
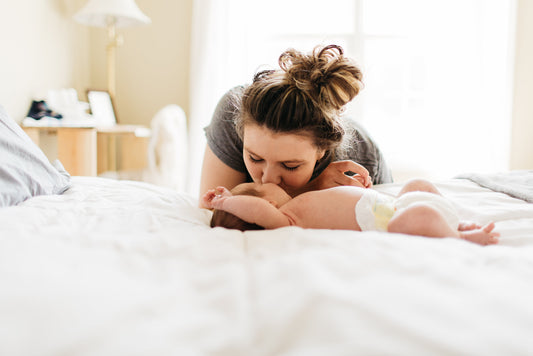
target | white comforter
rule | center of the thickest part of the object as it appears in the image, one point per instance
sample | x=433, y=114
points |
x=124, y=268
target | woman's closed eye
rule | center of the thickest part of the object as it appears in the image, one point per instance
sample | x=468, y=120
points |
x=287, y=166
x=290, y=167
x=255, y=159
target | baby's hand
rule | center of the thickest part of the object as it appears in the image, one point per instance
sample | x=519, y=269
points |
x=207, y=198
x=213, y=198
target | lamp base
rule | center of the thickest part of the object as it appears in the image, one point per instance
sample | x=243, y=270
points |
x=114, y=40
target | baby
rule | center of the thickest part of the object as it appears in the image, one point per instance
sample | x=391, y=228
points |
x=419, y=209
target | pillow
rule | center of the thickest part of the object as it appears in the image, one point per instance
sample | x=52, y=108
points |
x=25, y=171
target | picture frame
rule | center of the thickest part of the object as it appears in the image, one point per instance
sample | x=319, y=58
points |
x=102, y=107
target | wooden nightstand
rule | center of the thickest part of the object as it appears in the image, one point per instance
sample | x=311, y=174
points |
x=88, y=151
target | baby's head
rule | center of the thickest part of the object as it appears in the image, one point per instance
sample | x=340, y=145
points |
x=271, y=192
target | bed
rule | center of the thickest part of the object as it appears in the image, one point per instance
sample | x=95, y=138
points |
x=111, y=267
x=120, y=267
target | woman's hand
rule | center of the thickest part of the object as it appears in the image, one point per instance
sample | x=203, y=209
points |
x=336, y=174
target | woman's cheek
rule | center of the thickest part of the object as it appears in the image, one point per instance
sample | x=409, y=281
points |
x=297, y=180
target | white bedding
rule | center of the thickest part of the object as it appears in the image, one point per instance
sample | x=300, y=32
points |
x=125, y=268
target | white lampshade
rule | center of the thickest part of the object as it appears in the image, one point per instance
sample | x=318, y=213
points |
x=124, y=12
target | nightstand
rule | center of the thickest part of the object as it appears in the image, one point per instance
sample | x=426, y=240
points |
x=89, y=151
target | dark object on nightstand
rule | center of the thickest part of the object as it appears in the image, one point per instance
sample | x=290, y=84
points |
x=40, y=109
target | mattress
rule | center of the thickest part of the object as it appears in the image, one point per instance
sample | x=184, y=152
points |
x=128, y=268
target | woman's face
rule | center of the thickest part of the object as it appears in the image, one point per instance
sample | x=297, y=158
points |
x=284, y=159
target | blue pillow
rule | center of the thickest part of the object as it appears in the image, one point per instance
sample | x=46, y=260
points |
x=25, y=171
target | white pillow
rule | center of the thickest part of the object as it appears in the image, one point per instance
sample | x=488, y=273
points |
x=25, y=171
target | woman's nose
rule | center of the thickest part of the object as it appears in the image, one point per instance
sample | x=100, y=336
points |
x=270, y=176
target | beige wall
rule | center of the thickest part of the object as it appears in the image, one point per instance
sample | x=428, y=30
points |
x=522, y=130
x=152, y=65
x=41, y=49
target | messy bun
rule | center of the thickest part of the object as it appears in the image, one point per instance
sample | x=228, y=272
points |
x=327, y=77
x=306, y=95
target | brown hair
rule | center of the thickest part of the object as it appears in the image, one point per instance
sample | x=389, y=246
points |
x=224, y=219
x=306, y=95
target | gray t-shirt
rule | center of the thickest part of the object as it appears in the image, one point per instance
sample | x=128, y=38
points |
x=225, y=143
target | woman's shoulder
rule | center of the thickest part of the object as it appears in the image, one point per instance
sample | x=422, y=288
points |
x=229, y=102
x=356, y=136
x=221, y=135
x=227, y=108
x=360, y=147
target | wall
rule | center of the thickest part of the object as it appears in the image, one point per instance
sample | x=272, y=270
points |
x=152, y=64
x=522, y=130
x=42, y=49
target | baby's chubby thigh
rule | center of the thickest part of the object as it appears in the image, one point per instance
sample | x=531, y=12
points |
x=411, y=219
x=422, y=200
x=423, y=220
x=426, y=214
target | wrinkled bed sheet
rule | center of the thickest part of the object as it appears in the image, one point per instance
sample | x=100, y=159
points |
x=127, y=268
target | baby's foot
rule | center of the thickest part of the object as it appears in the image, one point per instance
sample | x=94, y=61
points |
x=482, y=236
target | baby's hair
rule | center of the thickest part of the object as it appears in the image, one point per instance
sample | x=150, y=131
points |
x=224, y=219
x=305, y=96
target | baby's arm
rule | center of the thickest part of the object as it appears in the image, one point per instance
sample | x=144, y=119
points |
x=252, y=209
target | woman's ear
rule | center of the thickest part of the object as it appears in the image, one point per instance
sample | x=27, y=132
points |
x=319, y=154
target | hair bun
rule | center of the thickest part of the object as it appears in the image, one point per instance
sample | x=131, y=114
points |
x=329, y=78
x=306, y=94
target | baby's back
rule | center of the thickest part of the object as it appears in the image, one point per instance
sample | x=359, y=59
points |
x=332, y=208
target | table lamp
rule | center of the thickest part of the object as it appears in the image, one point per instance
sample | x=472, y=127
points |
x=111, y=14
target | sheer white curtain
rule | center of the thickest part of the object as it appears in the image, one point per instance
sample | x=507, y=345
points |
x=437, y=73
x=218, y=50
x=439, y=84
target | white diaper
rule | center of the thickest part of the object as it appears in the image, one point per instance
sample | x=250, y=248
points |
x=374, y=210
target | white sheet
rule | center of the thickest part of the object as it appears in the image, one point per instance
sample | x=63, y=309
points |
x=125, y=268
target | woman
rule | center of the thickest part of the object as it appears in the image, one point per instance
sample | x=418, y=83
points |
x=285, y=128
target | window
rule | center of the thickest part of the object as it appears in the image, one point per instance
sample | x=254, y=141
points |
x=437, y=74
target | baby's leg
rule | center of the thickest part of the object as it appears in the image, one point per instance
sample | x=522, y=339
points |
x=419, y=185
x=423, y=220
x=468, y=225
